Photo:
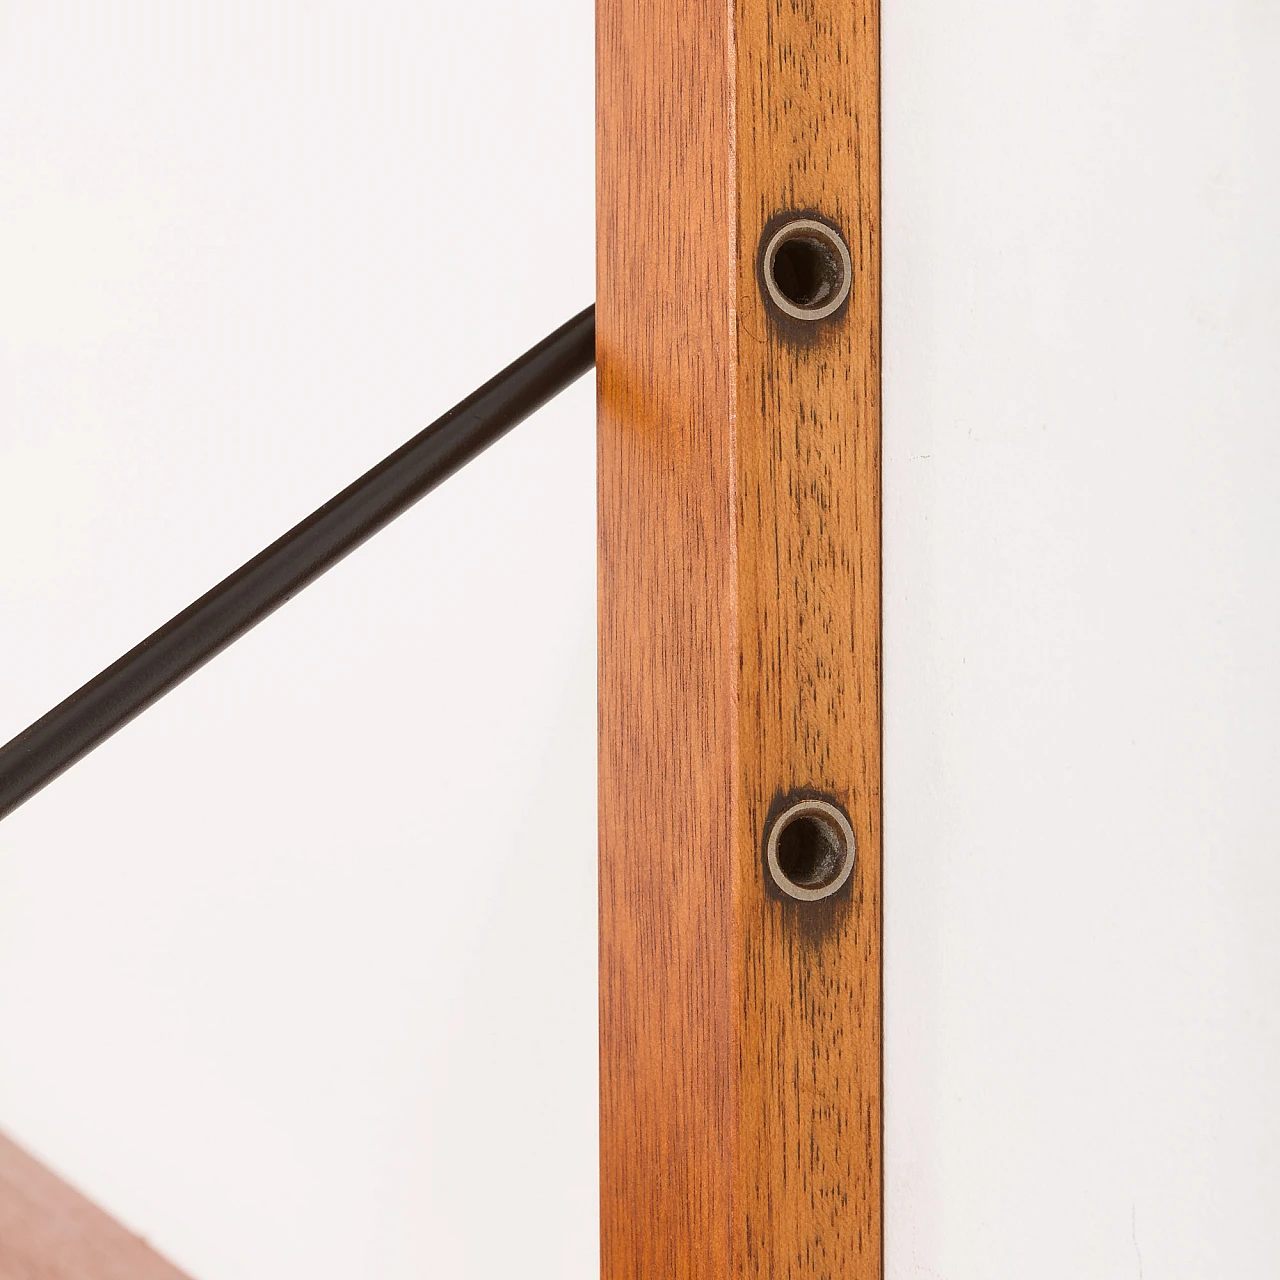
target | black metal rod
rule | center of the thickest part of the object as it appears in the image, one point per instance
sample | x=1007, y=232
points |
x=185, y=643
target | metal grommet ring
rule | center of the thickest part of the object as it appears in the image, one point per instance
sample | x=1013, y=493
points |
x=807, y=269
x=810, y=850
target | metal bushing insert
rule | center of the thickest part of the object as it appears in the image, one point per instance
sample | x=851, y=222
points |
x=810, y=850
x=807, y=269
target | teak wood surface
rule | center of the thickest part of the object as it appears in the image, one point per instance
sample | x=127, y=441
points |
x=49, y=1231
x=739, y=579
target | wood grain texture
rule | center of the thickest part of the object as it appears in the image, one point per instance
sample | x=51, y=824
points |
x=808, y=578
x=664, y=367
x=48, y=1231
x=739, y=539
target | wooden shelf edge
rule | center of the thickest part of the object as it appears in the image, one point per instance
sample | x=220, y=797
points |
x=49, y=1231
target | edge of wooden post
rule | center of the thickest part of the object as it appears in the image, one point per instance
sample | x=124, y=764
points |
x=739, y=542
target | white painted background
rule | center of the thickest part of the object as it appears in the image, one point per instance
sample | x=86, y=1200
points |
x=1082, y=639
x=297, y=972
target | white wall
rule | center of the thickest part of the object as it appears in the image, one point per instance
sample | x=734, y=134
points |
x=324, y=917
x=297, y=973
x=1082, y=638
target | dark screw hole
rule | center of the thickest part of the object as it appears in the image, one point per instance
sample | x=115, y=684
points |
x=811, y=851
x=805, y=268
x=806, y=271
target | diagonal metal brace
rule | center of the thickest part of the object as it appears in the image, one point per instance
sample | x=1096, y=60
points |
x=185, y=643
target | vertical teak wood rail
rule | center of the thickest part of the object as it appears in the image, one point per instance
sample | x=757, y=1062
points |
x=739, y=537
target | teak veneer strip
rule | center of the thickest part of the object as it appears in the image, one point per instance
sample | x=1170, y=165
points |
x=739, y=580
x=49, y=1231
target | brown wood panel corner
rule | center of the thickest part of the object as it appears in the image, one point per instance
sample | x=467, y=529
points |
x=49, y=1231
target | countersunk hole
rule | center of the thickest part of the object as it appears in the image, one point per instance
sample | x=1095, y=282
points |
x=807, y=269
x=810, y=850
